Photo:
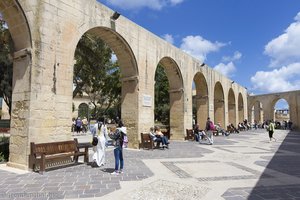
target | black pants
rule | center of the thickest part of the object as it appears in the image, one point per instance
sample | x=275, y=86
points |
x=271, y=134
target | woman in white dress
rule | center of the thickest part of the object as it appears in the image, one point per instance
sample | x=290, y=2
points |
x=99, y=149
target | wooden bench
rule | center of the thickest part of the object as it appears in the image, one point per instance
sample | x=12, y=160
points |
x=54, y=153
x=216, y=133
x=147, y=142
x=190, y=134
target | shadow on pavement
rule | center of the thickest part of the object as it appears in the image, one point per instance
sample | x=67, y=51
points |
x=286, y=161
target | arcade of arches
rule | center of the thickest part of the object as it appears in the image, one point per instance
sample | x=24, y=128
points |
x=262, y=107
x=46, y=34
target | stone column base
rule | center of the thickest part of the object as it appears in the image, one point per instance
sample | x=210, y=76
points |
x=18, y=166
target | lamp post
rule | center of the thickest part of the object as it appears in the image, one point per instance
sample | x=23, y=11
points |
x=113, y=19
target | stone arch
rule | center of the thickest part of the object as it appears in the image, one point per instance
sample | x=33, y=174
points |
x=176, y=95
x=231, y=107
x=201, y=98
x=14, y=16
x=283, y=114
x=83, y=110
x=219, y=105
x=18, y=27
x=129, y=77
x=241, y=108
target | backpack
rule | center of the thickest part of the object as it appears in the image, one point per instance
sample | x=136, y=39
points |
x=95, y=141
x=124, y=139
x=211, y=126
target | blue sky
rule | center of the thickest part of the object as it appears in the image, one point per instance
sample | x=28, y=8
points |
x=254, y=42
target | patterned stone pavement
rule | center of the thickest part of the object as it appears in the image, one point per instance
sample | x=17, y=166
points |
x=241, y=166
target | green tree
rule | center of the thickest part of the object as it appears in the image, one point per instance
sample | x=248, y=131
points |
x=6, y=64
x=162, y=99
x=96, y=75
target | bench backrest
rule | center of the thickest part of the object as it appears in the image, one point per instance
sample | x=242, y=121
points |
x=190, y=134
x=145, y=137
x=53, y=147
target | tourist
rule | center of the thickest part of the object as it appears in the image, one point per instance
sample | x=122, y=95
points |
x=159, y=134
x=209, y=130
x=157, y=138
x=118, y=136
x=99, y=149
x=270, y=129
x=78, y=125
x=84, y=125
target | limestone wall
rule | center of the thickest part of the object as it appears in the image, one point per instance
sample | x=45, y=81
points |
x=46, y=34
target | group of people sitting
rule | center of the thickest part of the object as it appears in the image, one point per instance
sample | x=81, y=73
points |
x=157, y=136
x=232, y=129
x=208, y=133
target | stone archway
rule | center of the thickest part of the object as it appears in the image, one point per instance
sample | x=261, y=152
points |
x=231, y=107
x=83, y=110
x=219, y=105
x=201, y=99
x=281, y=114
x=17, y=23
x=176, y=95
x=241, y=108
x=129, y=79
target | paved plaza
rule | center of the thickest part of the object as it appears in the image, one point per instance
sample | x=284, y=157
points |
x=241, y=166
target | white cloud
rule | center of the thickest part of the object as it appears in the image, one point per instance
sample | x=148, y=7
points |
x=175, y=2
x=199, y=47
x=237, y=55
x=285, y=56
x=138, y=4
x=169, y=38
x=226, y=69
x=286, y=78
x=297, y=18
x=285, y=48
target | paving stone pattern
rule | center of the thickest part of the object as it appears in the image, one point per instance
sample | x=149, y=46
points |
x=85, y=181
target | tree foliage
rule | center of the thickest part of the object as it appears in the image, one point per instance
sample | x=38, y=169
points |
x=162, y=99
x=6, y=64
x=97, y=76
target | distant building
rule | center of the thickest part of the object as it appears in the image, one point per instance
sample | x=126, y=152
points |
x=282, y=114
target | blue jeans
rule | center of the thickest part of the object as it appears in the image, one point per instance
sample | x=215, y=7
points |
x=164, y=140
x=118, y=153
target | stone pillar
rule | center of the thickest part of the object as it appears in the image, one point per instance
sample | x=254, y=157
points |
x=129, y=112
x=219, y=112
x=231, y=113
x=202, y=110
x=177, y=114
x=20, y=121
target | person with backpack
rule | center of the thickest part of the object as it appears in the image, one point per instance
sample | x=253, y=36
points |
x=118, y=136
x=210, y=127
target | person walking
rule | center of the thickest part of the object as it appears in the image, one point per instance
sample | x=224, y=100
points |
x=271, y=129
x=210, y=127
x=118, y=136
